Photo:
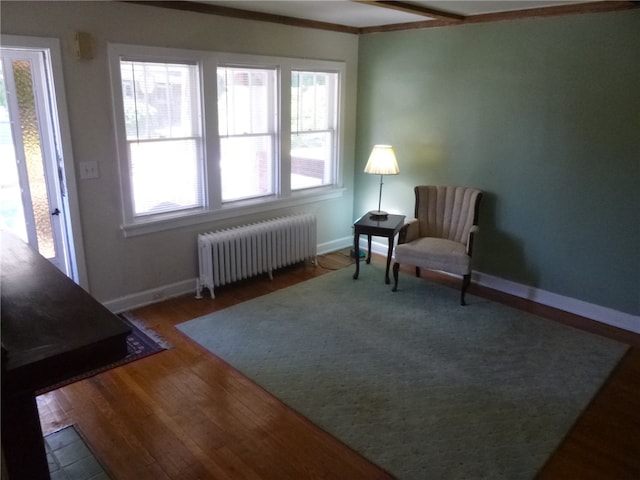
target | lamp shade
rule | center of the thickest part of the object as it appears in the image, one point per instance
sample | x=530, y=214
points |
x=382, y=161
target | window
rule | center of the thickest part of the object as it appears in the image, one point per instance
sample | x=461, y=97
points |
x=247, y=128
x=313, y=128
x=163, y=134
x=207, y=135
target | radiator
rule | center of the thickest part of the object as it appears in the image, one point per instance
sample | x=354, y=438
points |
x=233, y=254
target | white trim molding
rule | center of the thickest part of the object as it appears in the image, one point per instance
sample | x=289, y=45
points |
x=154, y=295
x=185, y=287
x=334, y=245
x=592, y=311
x=588, y=310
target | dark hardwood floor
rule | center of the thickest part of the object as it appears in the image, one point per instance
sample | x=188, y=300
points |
x=184, y=414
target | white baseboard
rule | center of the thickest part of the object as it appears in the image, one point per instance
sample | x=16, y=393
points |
x=592, y=311
x=599, y=313
x=147, y=297
x=335, y=245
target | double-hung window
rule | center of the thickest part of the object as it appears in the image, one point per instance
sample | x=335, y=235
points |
x=314, y=123
x=163, y=124
x=207, y=135
x=247, y=125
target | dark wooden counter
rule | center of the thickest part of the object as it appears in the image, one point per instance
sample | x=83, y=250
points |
x=52, y=330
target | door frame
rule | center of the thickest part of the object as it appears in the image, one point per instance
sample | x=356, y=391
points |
x=45, y=122
x=51, y=47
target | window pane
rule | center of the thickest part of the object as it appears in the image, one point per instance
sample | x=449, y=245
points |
x=162, y=121
x=313, y=101
x=12, y=216
x=311, y=159
x=246, y=100
x=165, y=176
x=160, y=100
x=313, y=127
x=29, y=123
x=247, y=127
x=246, y=167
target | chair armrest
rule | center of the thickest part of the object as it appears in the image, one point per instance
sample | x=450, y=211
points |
x=409, y=231
x=472, y=231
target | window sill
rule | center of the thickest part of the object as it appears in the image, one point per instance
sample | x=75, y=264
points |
x=230, y=211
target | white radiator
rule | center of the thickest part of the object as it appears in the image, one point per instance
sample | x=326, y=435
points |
x=236, y=253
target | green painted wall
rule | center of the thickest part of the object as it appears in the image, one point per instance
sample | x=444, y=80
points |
x=541, y=114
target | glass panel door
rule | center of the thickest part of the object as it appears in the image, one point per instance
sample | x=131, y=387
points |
x=30, y=189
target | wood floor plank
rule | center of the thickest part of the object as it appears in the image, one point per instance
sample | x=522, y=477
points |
x=185, y=414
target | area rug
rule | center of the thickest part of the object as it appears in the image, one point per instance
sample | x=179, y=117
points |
x=142, y=342
x=420, y=385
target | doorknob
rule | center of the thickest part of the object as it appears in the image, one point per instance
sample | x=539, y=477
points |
x=56, y=212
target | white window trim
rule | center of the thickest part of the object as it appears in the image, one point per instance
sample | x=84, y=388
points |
x=214, y=209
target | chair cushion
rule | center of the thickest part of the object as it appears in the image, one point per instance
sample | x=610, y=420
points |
x=435, y=254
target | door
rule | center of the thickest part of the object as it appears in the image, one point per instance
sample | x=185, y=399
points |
x=31, y=169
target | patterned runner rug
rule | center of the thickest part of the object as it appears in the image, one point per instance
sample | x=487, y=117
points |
x=141, y=343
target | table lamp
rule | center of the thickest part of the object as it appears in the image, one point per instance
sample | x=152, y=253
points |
x=382, y=161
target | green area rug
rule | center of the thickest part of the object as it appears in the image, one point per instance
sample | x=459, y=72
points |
x=423, y=387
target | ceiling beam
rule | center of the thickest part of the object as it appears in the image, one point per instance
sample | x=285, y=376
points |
x=436, y=18
x=246, y=14
x=552, y=11
x=414, y=9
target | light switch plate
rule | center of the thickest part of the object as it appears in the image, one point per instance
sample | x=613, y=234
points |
x=89, y=170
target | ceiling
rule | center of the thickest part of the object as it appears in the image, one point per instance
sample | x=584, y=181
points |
x=371, y=14
x=355, y=16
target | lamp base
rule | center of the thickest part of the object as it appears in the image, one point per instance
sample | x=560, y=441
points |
x=378, y=215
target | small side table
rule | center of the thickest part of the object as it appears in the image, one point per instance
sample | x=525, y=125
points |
x=388, y=227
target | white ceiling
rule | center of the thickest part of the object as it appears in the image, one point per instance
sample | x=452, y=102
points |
x=362, y=15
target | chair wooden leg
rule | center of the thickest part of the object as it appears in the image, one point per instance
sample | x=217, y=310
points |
x=417, y=271
x=396, y=267
x=465, y=284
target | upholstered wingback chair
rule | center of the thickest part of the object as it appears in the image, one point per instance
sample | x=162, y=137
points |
x=440, y=237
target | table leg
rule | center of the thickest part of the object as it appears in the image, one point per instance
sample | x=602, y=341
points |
x=22, y=442
x=389, y=254
x=356, y=252
x=369, y=249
